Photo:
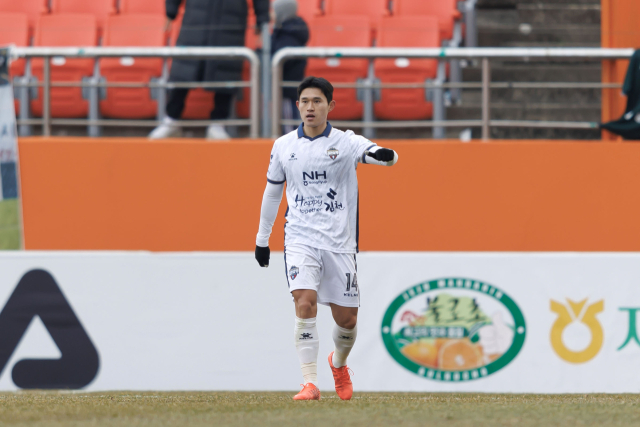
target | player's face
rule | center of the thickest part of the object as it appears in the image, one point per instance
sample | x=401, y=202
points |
x=313, y=107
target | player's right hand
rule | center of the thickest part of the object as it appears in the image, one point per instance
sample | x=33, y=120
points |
x=262, y=256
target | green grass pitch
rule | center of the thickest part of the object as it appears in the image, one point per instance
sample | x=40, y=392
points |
x=35, y=408
x=9, y=224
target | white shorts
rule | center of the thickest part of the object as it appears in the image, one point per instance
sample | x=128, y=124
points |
x=332, y=275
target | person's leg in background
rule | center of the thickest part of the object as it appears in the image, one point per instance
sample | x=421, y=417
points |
x=289, y=112
x=175, y=105
x=176, y=98
x=221, y=111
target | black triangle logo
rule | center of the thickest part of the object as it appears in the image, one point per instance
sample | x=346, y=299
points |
x=38, y=294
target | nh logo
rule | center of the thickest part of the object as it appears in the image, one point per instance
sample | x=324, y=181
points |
x=38, y=294
x=310, y=175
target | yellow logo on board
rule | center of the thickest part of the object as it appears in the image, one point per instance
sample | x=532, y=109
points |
x=577, y=312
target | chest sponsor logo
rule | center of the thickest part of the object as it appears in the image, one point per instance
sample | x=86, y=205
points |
x=314, y=178
x=333, y=153
x=453, y=329
x=308, y=204
x=333, y=204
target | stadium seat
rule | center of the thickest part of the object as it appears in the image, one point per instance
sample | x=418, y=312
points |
x=14, y=30
x=65, y=30
x=375, y=9
x=445, y=10
x=156, y=7
x=406, y=104
x=309, y=9
x=132, y=30
x=341, y=31
x=32, y=8
x=199, y=102
x=101, y=9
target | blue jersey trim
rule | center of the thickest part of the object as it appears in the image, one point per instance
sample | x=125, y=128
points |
x=275, y=182
x=364, y=155
x=326, y=132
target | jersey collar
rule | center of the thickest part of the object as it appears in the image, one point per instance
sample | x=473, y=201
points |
x=326, y=132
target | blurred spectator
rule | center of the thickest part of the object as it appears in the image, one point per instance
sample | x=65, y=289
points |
x=208, y=23
x=628, y=126
x=290, y=31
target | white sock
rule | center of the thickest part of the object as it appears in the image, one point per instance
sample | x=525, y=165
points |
x=344, y=340
x=305, y=335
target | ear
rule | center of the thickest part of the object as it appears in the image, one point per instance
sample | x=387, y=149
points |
x=332, y=105
x=298, y=104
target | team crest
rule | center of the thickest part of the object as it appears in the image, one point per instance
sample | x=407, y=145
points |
x=333, y=153
x=293, y=272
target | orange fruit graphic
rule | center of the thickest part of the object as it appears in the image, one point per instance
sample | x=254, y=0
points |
x=423, y=353
x=457, y=355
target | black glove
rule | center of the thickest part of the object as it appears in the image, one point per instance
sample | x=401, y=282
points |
x=382, y=155
x=262, y=256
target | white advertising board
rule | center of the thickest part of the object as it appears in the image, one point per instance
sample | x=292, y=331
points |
x=476, y=322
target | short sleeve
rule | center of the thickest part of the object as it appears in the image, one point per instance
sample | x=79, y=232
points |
x=360, y=145
x=275, y=173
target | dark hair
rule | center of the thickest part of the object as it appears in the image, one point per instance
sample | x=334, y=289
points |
x=318, y=82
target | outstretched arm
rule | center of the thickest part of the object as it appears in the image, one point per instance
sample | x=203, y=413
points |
x=270, y=204
x=380, y=156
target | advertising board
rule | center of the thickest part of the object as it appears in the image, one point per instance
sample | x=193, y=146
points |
x=464, y=322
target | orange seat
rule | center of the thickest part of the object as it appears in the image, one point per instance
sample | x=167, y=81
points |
x=375, y=9
x=309, y=9
x=445, y=10
x=341, y=31
x=199, y=102
x=406, y=104
x=32, y=8
x=65, y=30
x=14, y=30
x=156, y=7
x=132, y=30
x=101, y=9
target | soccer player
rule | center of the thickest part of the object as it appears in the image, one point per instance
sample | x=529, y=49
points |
x=318, y=163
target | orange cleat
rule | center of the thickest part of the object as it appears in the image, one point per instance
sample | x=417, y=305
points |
x=308, y=392
x=344, y=386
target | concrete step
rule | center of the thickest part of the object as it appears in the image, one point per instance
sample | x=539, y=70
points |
x=549, y=44
x=496, y=133
x=537, y=35
x=506, y=4
x=528, y=111
x=548, y=14
x=537, y=133
x=568, y=96
x=537, y=72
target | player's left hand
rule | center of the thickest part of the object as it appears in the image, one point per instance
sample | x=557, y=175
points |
x=262, y=255
x=382, y=155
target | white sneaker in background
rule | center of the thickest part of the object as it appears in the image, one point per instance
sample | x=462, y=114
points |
x=217, y=132
x=168, y=129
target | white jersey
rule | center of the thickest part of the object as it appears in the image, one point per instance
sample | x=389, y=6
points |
x=322, y=187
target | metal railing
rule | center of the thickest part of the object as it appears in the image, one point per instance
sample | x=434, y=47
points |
x=94, y=83
x=438, y=85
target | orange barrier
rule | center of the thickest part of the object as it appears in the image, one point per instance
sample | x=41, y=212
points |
x=193, y=195
x=619, y=28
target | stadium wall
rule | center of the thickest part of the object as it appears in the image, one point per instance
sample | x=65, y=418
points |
x=194, y=195
x=473, y=322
